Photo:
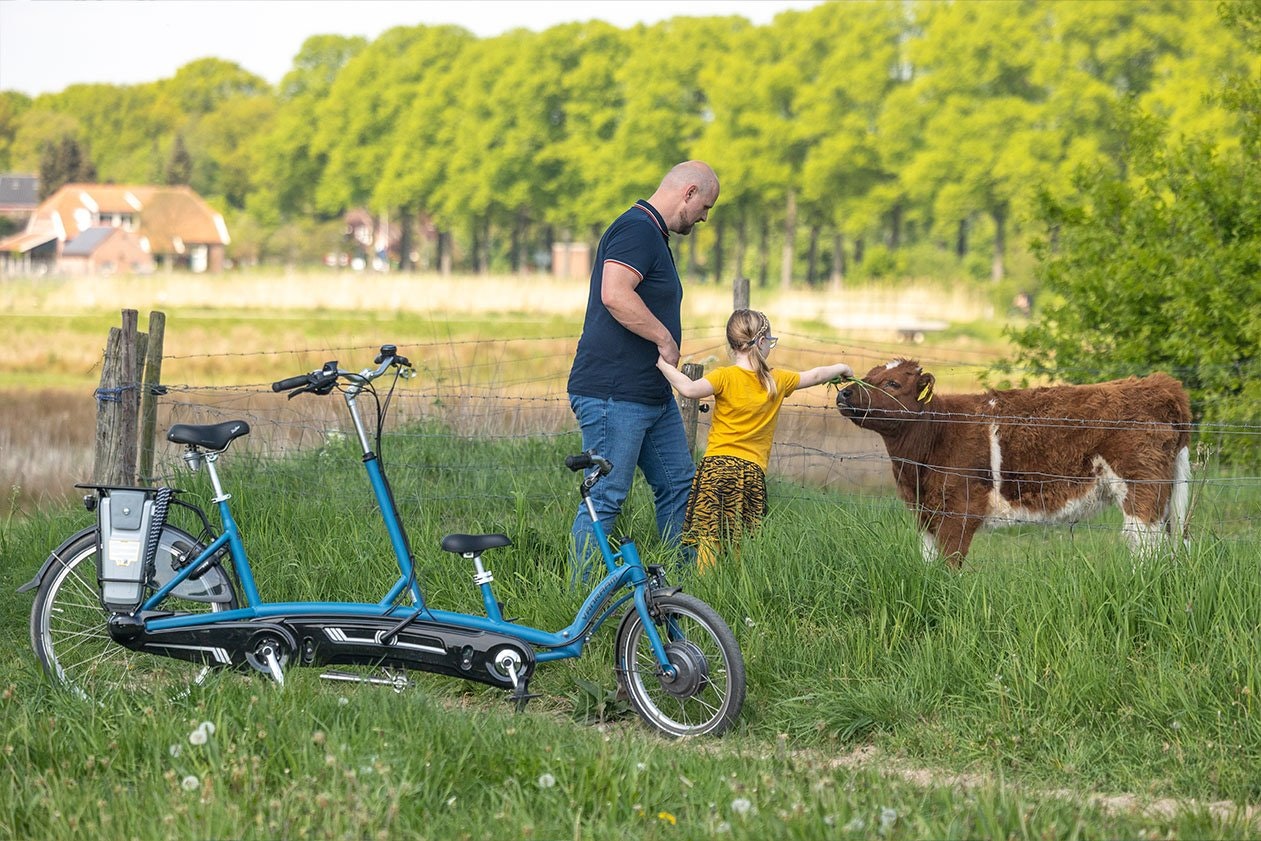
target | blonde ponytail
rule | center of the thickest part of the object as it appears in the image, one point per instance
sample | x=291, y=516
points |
x=744, y=329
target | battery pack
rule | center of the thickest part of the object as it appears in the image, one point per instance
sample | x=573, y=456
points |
x=125, y=518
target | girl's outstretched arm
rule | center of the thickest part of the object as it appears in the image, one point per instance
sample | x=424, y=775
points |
x=822, y=374
x=684, y=384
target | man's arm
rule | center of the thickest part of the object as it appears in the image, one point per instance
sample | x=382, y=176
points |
x=617, y=292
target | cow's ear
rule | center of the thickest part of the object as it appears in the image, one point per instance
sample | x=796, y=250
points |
x=925, y=385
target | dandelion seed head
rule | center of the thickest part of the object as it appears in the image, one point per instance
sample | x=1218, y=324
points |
x=546, y=781
x=190, y=783
x=198, y=737
x=208, y=726
x=176, y=749
x=741, y=806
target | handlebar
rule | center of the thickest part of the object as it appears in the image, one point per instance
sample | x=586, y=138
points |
x=587, y=460
x=323, y=380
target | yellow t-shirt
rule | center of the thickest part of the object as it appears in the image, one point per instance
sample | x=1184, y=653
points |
x=744, y=416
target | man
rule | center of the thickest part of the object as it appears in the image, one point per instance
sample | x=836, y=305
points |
x=624, y=405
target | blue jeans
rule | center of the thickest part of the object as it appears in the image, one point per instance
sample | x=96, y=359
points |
x=631, y=435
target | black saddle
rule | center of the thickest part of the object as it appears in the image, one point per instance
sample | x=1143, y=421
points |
x=210, y=436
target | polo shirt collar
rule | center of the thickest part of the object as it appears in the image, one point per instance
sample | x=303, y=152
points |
x=643, y=204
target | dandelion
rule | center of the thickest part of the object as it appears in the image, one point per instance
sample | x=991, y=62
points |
x=741, y=806
x=723, y=828
x=1175, y=725
x=450, y=802
x=175, y=750
x=208, y=726
x=190, y=783
x=546, y=781
x=342, y=701
x=749, y=623
x=856, y=824
x=667, y=817
x=887, y=818
x=197, y=737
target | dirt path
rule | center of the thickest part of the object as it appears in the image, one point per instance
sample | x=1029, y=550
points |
x=871, y=759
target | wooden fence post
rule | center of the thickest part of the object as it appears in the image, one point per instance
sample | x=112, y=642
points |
x=151, y=389
x=117, y=405
x=740, y=293
x=689, y=406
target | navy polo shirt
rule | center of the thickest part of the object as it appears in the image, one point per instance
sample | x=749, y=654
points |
x=612, y=361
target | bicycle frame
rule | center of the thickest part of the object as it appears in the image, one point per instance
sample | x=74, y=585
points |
x=625, y=570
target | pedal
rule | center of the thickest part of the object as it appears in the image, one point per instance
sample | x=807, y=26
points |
x=273, y=666
x=520, y=697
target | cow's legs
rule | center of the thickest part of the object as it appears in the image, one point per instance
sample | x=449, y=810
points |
x=1145, y=505
x=953, y=536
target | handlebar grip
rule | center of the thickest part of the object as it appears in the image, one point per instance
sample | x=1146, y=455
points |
x=579, y=462
x=291, y=383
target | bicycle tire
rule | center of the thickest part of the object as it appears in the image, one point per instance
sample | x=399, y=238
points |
x=70, y=637
x=706, y=696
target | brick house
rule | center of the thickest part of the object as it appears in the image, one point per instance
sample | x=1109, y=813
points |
x=160, y=227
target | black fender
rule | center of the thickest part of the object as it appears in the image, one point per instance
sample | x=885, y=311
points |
x=212, y=585
x=55, y=557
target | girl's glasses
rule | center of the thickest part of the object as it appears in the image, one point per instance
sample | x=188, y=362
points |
x=770, y=341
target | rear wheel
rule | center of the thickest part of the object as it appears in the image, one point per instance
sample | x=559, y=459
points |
x=705, y=693
x=69, y=626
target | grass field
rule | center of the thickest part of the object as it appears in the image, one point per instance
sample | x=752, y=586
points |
x=1055, y=688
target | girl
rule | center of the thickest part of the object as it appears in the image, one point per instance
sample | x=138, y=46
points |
x=729, y=491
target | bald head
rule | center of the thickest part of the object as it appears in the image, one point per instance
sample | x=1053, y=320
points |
x=686, y=195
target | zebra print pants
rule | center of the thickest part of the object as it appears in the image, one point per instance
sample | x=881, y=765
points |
x=728, y=500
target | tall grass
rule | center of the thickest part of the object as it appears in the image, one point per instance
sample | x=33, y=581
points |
x=1046, y=672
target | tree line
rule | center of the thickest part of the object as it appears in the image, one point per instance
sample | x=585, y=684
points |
x=880, y=137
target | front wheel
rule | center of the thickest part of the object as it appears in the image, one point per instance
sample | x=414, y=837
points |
x=69, y=626
x=706, y=691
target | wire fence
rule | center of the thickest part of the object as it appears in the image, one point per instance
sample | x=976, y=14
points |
x=514, y=390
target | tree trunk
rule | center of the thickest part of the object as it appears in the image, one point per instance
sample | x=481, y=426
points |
x=741, y=246
x=838, y=260
x=405, y=262
x=893, y=236
x=961, y=240
x=718, y=229
x=812, y=259
x=444, y=253
x=1000, y=243
x=790, y=241
x=763, y=253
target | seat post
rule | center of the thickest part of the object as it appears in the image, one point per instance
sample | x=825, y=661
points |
x=220, y=496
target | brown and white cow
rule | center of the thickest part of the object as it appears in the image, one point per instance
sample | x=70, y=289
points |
x=1035, y=455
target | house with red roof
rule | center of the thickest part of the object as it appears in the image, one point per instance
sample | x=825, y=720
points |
x=115, y=228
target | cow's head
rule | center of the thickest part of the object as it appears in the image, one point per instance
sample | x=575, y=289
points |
x=887, y=396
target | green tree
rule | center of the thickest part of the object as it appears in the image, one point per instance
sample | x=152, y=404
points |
x=179, y=166
x=856, y=69
x=64, y=162
x=12, y=106
x=1156, y=264
x=288, y=167
x=382, y=124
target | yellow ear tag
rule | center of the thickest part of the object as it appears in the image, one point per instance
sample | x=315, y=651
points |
x=926, y=396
